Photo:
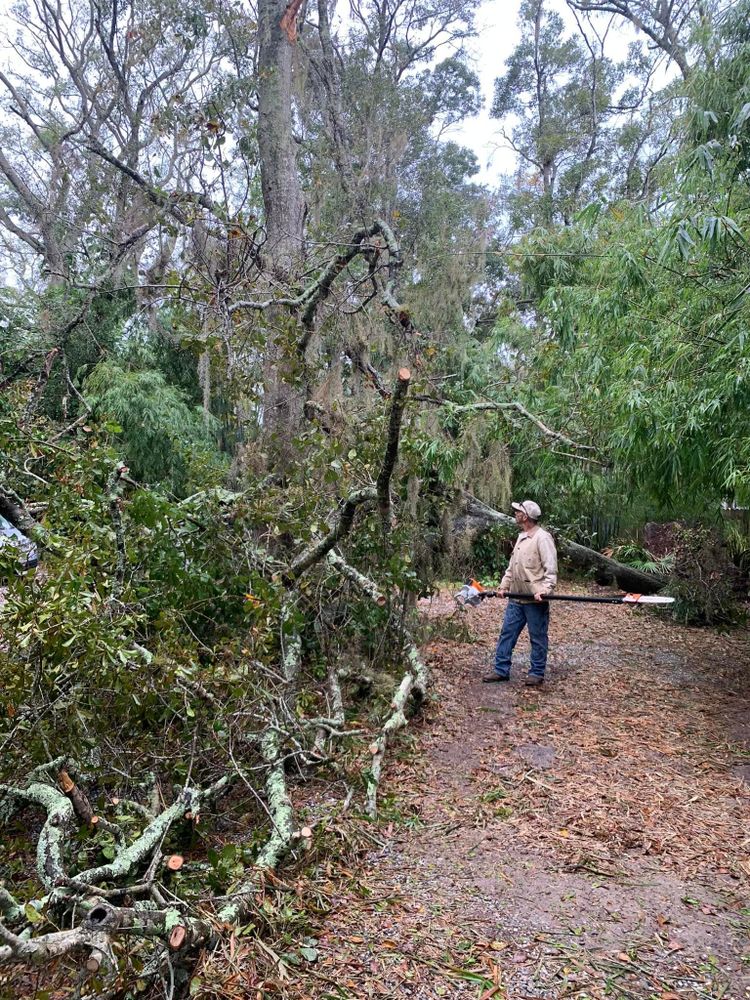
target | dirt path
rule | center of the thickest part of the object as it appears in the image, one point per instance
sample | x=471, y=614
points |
x=588, y=840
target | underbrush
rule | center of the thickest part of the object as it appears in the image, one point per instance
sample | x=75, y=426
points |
x=702, y=575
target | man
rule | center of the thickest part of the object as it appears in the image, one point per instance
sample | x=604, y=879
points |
x=532, y=570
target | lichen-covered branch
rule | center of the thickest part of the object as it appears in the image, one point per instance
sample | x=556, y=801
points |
x=414, y=683
x=395, y=721
x=101, y=922
x=291, y=644
x=50, y=849
x=55, y=833
x=189, y=801
x=363, y=583
x=48, y=947
x=398, y=312
x=328, y=729
x=115, y=485
x=282, y=820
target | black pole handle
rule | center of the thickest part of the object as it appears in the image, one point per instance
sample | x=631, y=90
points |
x=559, y=597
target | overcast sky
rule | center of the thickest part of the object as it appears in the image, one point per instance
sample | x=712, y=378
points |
x=497, y=36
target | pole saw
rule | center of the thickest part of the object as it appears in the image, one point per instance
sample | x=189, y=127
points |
x=473, y=593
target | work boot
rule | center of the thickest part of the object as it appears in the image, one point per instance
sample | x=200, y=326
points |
x=494, y=678
x=533, y=680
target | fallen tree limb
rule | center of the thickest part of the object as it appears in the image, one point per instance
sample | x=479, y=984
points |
x=51, y=865
x=331, y=728
x=413, y=684
x=50, y=858
x=188, y=803
x=367, y=586
x=314, y=553
x=48, y=947
x=278, y=843
x=102, y=919
x=476, y=517
x=95, y=932
x=395, y=721
x=514, y=405
x=279, y=803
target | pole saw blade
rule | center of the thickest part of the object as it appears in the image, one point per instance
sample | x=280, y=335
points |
x=647, y=599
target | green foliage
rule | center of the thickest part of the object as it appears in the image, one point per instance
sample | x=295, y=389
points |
x=489, y=555
x=641, y=559
x=646, y=354
x=163, y=438
x=639, y=345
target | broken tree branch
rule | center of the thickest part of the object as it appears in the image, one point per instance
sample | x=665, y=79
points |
x=278, y=843
x=189, y=801
x=362, y=582
x=395, y=721
x=78, y=798
x=314, y=553
x=50, y=857
x=383, y=483
x=414, y=683
x=520, y=408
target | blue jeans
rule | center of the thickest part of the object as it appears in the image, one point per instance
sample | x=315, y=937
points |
x=536, y=618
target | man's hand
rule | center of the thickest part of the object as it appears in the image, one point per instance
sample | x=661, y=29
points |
x=501, y=592
x=539, y=597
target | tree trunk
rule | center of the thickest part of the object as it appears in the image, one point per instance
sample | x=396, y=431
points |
x=475, y=517
x=282, y=194
x=285, y=216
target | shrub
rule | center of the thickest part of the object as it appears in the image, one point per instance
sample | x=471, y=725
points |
x=705, y=581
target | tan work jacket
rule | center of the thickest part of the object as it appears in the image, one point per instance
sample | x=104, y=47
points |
x=533, y=565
